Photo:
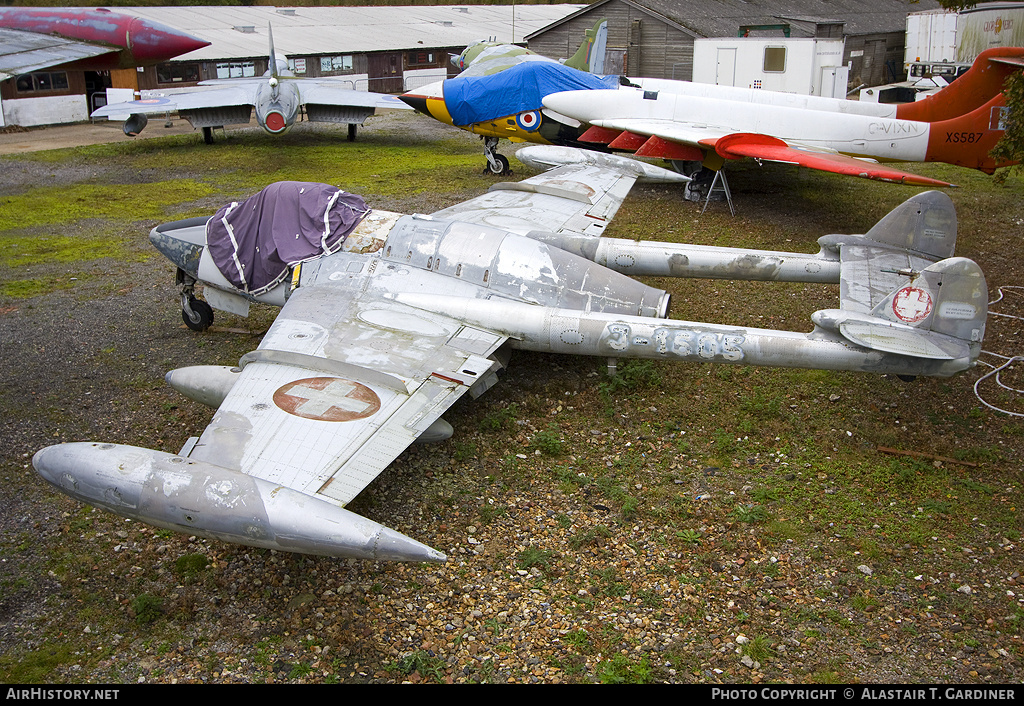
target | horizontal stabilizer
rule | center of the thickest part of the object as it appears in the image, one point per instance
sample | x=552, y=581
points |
x=881, y=336
x=1009, y=60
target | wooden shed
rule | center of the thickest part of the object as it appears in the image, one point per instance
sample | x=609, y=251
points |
x=654, y=38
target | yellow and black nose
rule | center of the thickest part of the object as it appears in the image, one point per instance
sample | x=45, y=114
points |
x=429, y=100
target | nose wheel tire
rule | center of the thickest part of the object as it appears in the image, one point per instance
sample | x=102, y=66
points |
x=198, y=316
x=499, y=166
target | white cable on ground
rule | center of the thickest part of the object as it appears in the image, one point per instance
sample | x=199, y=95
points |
x=997, y=371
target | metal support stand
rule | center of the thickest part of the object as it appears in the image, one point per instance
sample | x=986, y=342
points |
x=723, y=187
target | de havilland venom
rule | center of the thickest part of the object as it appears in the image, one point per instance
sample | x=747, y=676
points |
x=387, y=320
x=277, y=98
x=702, y=126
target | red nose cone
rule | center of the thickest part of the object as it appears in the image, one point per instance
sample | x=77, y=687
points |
x=275, y=122
x=151, y=41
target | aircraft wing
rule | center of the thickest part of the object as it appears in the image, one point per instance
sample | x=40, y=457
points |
x=733, y=145
x=336, y=391
x=24, y=52
x=242, y=95
x=333, y=93
x=572, y=199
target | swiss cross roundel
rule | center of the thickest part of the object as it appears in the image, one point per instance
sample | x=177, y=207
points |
x=912, y=304
x=327, y=399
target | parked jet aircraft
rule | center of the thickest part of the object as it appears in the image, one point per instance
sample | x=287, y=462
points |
x=277, y=98
x=33, y=39
x=387, y=320
x=705, y=124
x=499, y=92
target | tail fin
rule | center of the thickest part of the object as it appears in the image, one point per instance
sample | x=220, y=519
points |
x=939, y=315
x=971, y=91
x=968, y=140
x=276, y=63
x=924, y=224
x=590, y=55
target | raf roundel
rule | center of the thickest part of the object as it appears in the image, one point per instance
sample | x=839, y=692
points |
x=912, y=304
x=327, y=399
x=528, y=121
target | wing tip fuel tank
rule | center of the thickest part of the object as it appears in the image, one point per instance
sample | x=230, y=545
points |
x=194, y=497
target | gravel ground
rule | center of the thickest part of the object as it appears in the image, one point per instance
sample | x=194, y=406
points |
x=552, y=577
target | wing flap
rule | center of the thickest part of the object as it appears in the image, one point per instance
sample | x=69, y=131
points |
x=336, y=392
x=412, y=418
x=335, y=94
x=687, y=133
x=758, y=146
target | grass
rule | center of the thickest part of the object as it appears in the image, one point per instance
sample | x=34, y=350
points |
x=649, y=487
x=60, y=205
x=620, y=670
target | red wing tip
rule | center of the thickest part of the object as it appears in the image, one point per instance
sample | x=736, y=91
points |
x=929, y=182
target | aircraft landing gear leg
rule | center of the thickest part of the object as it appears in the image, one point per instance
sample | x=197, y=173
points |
x=496, y=163
x=352, y=127
x=197, y=314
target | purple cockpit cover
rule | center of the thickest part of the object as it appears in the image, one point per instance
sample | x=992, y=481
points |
x=254, y=242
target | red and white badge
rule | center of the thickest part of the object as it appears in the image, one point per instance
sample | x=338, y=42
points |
x=912, y=304
x=327, y=399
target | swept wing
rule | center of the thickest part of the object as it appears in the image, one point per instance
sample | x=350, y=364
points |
x=24, y=52
x=243, y=95
x=733, y=145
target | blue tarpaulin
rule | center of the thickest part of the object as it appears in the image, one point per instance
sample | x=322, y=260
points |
x=474, y=99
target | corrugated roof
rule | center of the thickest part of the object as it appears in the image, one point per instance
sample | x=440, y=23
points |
x=723, y=18
x=326, y=30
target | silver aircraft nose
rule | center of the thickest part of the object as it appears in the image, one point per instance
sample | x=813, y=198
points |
x=182, y=243
x=50, y=463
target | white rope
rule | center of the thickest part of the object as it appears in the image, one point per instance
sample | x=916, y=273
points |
x=997, y=370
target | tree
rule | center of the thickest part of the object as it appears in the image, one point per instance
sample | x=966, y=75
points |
x=1010, y=147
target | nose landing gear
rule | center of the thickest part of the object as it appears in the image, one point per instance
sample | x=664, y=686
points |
x=197, y=314
x=496, y=163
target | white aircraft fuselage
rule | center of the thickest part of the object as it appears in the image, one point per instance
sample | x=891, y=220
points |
x=878, y=137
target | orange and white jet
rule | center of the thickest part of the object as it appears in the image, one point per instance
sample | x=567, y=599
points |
x=705, y=125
